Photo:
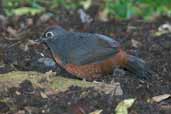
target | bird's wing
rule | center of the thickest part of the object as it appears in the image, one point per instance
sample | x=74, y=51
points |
x=96, y=49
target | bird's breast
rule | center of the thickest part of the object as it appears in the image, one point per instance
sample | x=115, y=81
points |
x=96, y=70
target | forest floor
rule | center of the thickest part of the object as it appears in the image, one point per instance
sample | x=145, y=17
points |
x=137, y=37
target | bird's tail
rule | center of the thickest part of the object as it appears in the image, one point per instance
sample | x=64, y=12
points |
x=138, y=67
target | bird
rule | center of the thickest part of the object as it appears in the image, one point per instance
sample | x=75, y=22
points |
x=91, y=56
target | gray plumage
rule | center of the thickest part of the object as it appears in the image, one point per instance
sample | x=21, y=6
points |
x=81, y=48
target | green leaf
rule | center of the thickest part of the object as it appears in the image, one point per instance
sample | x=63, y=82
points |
x=122, y=107
x=27, y=10
x=86, y=4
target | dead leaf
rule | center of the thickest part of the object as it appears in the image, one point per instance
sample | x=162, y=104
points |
x=85, y=18
x=20, y=112
x=135, y=43
x=103, y=15
x=97, y=112
x=45, y=17
x=17, y=93
x=43, y=95
x=29, y=21
x=11, y=31
x=163, y=29
x=161, y=97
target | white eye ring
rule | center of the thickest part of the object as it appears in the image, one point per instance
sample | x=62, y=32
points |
x=49, y=35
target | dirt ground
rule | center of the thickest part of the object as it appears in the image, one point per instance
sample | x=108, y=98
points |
x=136, y=36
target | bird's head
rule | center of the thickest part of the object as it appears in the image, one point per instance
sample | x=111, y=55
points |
x=51, y=34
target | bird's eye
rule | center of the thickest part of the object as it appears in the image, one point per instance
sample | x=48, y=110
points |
x=49, y=35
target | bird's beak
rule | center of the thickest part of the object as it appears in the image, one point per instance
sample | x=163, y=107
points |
x=40, y=40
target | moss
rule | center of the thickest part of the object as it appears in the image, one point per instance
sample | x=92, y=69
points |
x=56, y=82
x=61, y=83
x=52, y=81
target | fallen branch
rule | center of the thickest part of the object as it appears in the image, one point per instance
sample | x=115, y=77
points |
x=52, y=81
